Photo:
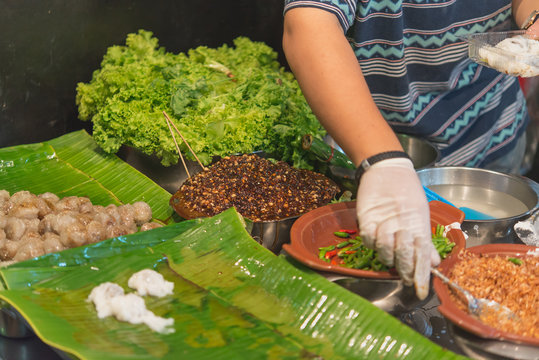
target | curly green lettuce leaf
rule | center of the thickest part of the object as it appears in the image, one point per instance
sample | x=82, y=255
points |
x=224, y=101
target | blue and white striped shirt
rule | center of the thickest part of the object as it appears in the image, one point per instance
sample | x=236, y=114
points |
x=419, y=74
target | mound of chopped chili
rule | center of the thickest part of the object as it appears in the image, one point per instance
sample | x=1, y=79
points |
x=259, y=189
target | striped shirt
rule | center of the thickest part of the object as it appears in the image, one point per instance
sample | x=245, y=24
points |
x=419, y=74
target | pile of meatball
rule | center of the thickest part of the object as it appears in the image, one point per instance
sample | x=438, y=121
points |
x=33, y=225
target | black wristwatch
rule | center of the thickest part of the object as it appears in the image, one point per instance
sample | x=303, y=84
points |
x=530, y=20
x=368, y=162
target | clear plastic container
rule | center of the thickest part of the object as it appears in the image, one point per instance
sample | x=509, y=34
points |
x=518, y=57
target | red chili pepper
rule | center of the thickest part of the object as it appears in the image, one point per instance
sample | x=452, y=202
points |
x=348, y=231
x=333, y=262
x=350, y=251
x=330, y=254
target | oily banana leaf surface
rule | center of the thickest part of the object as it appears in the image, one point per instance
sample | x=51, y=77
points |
x=73, y=164
x=233, y=299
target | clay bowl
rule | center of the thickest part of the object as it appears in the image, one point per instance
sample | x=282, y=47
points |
x=315, y=229
x=462, y=319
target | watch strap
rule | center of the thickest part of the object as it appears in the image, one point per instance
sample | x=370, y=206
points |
x=368, y=162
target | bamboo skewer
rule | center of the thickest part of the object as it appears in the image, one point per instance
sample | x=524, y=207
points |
x=177, y=146
x=169, y=123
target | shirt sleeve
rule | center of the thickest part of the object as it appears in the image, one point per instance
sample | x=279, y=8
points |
x=344, y=10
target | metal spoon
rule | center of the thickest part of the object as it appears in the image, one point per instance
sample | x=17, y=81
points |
x=478, y=306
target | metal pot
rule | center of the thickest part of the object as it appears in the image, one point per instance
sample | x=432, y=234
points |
x=389, y=295
x=169, y=178
x=480, y=188
x=422, y=152
x=12, y=324
x=272, y=234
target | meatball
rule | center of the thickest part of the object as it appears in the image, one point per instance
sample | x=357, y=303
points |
x=143, y=212
x=149, y=226
x=33, y=225
x=52, y=243
x=95, y=231
x=15, y=228
x=49, y=198
x=31, y=246
x=68, y=203
x=23, y=205
x=8, y=249
x=4, y=198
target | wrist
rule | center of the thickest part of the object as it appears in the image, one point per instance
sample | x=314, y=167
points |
x=384, y=157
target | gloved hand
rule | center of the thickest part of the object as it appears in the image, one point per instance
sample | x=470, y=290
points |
x=394, y=219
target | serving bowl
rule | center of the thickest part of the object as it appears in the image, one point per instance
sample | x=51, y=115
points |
x=383, y=288
x=463, y=319
x=270, y=234
x=315, y=229
x=508, y=198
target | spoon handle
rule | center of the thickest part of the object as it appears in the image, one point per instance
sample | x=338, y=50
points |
x=446, y=280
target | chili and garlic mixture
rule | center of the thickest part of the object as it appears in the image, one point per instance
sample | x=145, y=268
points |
x=513, y=282
x=259, y=189
x=33, y=225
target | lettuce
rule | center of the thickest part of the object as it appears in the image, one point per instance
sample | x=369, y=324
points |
x=224, y=101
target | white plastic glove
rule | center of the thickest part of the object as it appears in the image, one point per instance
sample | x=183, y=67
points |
x=394, y=219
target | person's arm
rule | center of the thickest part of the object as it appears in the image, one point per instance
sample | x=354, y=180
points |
x=330, y=77
x=522, y=10
x=392, y=208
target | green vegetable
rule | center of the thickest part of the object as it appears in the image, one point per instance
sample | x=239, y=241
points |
x=515, y=261
x=441, y=243
x=353, y=254
x=224, y=100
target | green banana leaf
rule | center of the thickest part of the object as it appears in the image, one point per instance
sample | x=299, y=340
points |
x=233, y=299
x=73, y=164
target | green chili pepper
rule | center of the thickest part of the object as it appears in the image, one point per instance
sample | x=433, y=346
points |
x=515, y=261
x=341, y=234
x=342, y=244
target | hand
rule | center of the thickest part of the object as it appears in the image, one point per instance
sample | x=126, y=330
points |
x=394, y=219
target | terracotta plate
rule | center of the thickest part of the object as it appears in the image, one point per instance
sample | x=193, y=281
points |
x=462, y=319
x=315, y=229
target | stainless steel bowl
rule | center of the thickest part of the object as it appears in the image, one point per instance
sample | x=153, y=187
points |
x=169, y=178
x=515, y=197
x=422, y=152
x=12, y=324
x=272, y=234
x=389, y=295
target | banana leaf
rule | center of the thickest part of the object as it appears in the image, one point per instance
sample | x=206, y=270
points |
x=73, y=164
x=233, y=299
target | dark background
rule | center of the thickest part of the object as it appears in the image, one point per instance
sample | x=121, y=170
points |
x=48, y=46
